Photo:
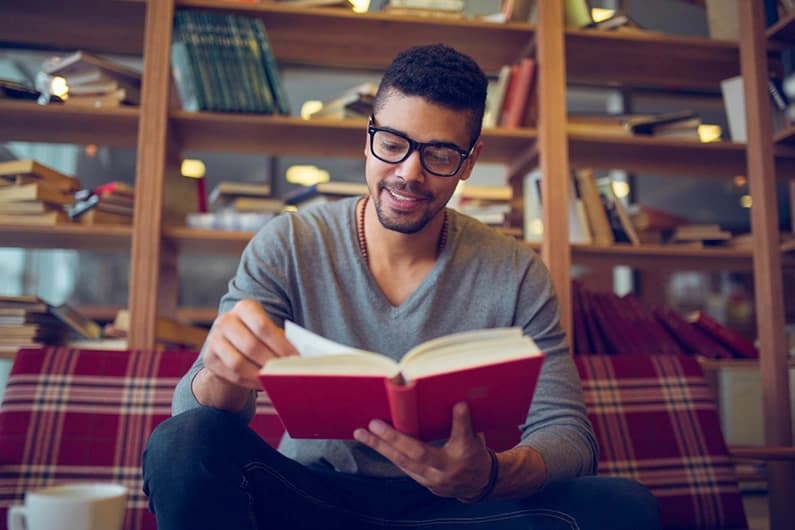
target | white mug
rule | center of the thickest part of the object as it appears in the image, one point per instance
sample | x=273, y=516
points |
x=85, y=506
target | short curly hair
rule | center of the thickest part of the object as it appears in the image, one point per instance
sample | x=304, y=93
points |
x=441, y=75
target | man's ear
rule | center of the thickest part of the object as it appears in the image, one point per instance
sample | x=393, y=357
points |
x=472, y=160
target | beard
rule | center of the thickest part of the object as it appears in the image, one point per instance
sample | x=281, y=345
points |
x=406, y=224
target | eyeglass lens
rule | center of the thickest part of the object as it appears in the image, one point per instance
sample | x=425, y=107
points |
x=437, y=159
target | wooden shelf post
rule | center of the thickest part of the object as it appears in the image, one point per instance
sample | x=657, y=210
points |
x=767, y=260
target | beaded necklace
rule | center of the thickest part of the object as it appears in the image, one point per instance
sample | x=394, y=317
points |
x=363, y=240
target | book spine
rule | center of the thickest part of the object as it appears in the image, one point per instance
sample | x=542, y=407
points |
x=274, y=78
x=726, y=335
x=403, y=407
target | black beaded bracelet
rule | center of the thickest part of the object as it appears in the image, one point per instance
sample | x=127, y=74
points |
x=491, y=484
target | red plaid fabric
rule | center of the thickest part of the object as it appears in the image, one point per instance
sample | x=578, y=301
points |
x=84, y=415
x=656, y=422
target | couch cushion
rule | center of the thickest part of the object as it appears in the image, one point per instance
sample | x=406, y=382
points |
x=84, y=415
x=656, y=422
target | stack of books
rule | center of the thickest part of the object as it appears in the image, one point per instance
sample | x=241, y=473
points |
x=323, y=192
x=683, y=124
x=490, y=205
x=34, y=194
x=28, y=321
x=426, y=8
x=698, y=235
x=111, y=203
x=244, y=206
x=356, y=102
x=88, y=80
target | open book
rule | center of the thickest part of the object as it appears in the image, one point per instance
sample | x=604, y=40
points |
x=332, y=389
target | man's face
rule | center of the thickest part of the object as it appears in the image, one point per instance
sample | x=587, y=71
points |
x=406, y=195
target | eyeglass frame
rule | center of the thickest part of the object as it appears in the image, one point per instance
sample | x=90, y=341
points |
x=417, y=146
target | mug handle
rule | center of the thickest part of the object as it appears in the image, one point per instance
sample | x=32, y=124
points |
x=16, y=518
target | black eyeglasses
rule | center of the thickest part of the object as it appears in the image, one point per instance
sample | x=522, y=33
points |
x=392, y=147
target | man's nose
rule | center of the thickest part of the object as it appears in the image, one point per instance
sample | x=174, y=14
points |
x=411, y=168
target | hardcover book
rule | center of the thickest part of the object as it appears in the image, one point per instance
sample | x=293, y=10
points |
x=331, y=389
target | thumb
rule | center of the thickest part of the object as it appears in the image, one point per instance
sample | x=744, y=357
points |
x=462, y=422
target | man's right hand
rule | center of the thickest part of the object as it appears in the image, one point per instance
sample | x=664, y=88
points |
x=240, y=342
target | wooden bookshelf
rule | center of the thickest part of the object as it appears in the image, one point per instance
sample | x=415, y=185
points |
x=25, y=121
x=321, y=137
x=98, y=238
x=108, y=26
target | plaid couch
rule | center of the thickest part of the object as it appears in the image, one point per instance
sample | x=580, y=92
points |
x=71, y=415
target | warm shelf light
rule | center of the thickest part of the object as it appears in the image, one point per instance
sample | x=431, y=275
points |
x=58, y=87
x=621, y=188
x=709, y=132
x=535, y=228
x=310, y=107
x=740, y=181
x=306, y=175
x=360, y=6
x=745, y=201
x=599, y=14
x=193, y=168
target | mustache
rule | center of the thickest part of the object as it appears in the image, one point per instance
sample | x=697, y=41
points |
x=412, y=188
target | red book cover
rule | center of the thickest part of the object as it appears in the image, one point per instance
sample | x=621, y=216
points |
x=519, y=93
x=736, y=342
x=692, y=339
x=315, y=397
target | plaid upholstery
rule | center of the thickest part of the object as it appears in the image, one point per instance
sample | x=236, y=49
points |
x=656, y=422
x=84, y=415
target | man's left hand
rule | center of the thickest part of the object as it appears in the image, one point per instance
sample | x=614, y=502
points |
x=460, y=468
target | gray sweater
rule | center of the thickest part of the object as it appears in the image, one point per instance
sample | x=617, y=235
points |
x=307, y=267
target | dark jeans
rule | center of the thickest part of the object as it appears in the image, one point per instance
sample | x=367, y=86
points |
x=206, y=469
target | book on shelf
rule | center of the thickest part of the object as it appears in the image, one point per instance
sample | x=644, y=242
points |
x=168, y=331
x=13, y=90
x=596, y=216
x=324, y=192
x=683, y=123
x=649, y=218
x=14, y=172
x=210, y=49
x=30, y=319
x=693, y=340
x=331, y=389
x=495, y=97
x=35, y=191
x=700, y=233
x=95, y=216
x=92, y=80
x=620, y=223
x=579, y=229
x=356, y=102
x=741, y=346
x=518, y=10
x=617, y=22
x=26, y=208
x=49, y=218
x=229, y=220
x=226, y=191
x=519, y=94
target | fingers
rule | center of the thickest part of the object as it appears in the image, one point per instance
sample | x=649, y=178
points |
x=241, y=341
x=413, y=457
x=462, y=423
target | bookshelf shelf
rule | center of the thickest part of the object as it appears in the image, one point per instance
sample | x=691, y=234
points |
x=206, y=242
x=295, y=136
x=667, y=257
x=107, y=26
x=340, y=38
x=624, y=58
x=104, y=238
x=667, y=156
x=26, y=121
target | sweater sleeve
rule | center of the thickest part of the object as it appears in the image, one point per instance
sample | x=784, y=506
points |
x=557, y=424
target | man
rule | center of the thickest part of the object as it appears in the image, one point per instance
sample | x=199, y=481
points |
x=383, y=273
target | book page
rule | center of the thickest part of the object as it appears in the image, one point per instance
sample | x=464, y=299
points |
x=464, y=337
x=461, y=356
x=351, y=364
x=311, y=344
